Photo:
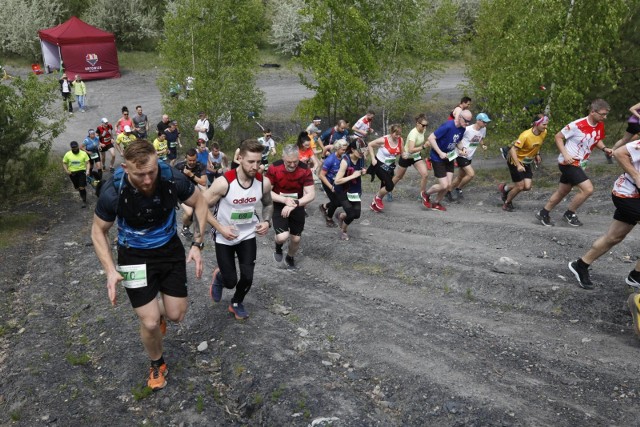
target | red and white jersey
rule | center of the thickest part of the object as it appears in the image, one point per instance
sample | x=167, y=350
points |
x=362, y=126
x=238, y=208
x=625, y=186
x=388, y=154
x=581, y=137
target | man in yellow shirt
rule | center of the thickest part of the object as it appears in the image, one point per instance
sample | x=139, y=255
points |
x=162, y=146
x=521, y=157
x=76, y=164
x=124, y=139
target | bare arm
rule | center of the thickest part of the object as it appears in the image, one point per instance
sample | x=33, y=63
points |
x=634, y=110
x=434, y=145
x=559, y=139
x=341, y=179
x=99, y=236
x=267, y=208
x=211, y=197
x=623, y=157
x=199, y=205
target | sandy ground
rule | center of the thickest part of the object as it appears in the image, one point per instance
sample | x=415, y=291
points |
x=407, y=323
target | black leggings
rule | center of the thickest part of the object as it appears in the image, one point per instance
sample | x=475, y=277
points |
x=385, y=176
x=334, y=203
x=225, y=255
x=352, y=209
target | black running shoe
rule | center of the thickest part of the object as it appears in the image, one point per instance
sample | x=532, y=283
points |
x=633, y=279
x=290, y=263
x=572, y=220
x=449, y=197
x=544, y=219
x=582, y=275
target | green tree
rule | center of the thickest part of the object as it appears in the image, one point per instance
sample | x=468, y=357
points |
x=566, y=45
x=215, y=42
x=20, y=21
x=129, y=21
x=372, y=53
x=28, y=126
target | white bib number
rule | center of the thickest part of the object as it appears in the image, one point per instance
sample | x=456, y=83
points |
x=417, y=156
x=584, y=163
x=94, y=156
x=241, y=216
x=353, y=197
x=290, y=195
x=452, y=155
x=135, y=276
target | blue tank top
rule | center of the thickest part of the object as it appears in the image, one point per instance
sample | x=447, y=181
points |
x=354, y=185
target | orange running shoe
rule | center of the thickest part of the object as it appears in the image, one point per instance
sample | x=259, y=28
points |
x=157, y=376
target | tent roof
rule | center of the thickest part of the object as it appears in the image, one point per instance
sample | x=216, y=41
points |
x=75, y=31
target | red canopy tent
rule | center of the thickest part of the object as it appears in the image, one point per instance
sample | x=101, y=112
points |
x=81, y=48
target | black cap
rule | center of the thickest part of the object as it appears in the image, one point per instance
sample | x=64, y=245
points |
x=73, y=144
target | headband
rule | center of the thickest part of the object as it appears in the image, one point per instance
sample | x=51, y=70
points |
x=542, y=121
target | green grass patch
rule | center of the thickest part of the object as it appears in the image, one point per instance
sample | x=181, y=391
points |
x=12, y=226
x=78, y=360
x=138, y=61
x=141, y=392
x=199, y=404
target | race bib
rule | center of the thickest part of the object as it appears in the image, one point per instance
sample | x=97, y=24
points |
x=584, y=163
x=527, y=160
x=94, y=156
x=135, y=276
x=416, y=156
x=290, y=195
x=390, y=160
x=452, y=155
x=241, y=216
x=353, y=197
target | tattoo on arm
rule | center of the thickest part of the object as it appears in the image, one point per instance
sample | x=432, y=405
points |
x=267, y=206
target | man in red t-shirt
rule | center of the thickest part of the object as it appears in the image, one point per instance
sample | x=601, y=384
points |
x=105, y=131
x=292, y=189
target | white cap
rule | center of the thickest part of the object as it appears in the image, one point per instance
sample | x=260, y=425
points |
x=127, y=128
x=104, y=120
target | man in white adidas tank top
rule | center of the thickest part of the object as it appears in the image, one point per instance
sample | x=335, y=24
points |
x=236, y=223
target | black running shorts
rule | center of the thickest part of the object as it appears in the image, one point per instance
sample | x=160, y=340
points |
x=79, y=179
x=633, y=128
x=517, y=176
x=441, y=168
x=572, y=175
x=294, y=223
x=463, y=162
x=170, y=278
x=627, y=209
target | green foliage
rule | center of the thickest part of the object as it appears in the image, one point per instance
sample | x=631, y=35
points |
x=77, y=360
x=20, y=21
x=28, y=126
x=373, y=53
x=215, y=42
x=566, y=46
x=287, y=26
x=129, y=21
x=140, y=392
x=12, y=226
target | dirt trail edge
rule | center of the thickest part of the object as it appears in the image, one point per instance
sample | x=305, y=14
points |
x=405, y=324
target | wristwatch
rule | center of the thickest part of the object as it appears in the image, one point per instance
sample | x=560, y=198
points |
x=198, y=245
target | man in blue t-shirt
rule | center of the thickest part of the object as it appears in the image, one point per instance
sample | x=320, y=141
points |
x=141, y=196
x=444, y=142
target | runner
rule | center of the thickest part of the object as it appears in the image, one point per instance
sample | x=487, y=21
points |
x=521, y=157
x=412, y=154
x=236, y=225
x=161, y=146
x=329, y=170
x=195, y=172
x=141, y=196
x=124, y=121
x=626, y=199
x=292, y=190
x=124, y=139
x=349, y=184
x=306, y=153
x=443, y=152
x=465, y=104
x=473, y=137
x=383, y=163
x=269, y=149
x=217, y=163
x=104, y=131
x=91, y=145
x=173, y=140
x=76, y=164
x=362, y=128
x=581, y=137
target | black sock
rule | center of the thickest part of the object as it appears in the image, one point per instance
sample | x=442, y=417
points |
x=83, y=194
x=158, y=362
x=289, y=257
x=582, y=264
x=544, y=212
x=278, y=248
x=569, y=213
